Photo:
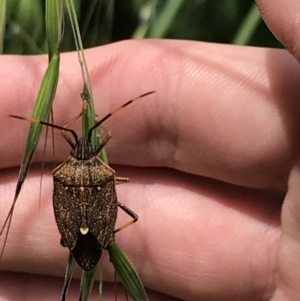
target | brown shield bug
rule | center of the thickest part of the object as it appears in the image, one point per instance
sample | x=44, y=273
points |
x=84, y=197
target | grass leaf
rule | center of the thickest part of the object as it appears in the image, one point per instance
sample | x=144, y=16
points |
x=248, y=26
x=86, y=285
x=68, y=276
x=166, y=19
x=127, y=274
x=41, y=111
x=2, y=23
x=54, y=23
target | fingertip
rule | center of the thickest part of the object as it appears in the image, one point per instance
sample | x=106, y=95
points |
x=289, y=251
x=282, y=18
x=291, y=206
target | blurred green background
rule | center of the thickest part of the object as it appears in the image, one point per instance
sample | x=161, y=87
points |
x=105, y=21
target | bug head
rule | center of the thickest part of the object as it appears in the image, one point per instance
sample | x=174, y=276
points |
x=82, y=150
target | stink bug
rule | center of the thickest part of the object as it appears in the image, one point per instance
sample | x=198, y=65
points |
x=84, y=197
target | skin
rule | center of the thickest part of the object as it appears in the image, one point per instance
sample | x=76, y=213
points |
x=212, y=157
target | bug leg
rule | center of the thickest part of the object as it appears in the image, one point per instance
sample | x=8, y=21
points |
x=83, y=110
x=104, y=141
x=121, y=180
x=129, y=212
x=68, y=139
x=65, y=135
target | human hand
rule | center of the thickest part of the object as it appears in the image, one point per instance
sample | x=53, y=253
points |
x=208, y=156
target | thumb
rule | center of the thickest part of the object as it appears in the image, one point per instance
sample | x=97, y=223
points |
x=282, y=18
x=289, y=251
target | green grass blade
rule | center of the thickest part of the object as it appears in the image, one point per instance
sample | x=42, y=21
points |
x=41, y=111
x=2, y=23
x=88, y=120
x=87, y=280
x=127, y=273
x=54, y=21
x=26, y=18
x=23, y=38
x=68, y=276
x=165, y=19
x=248, y=27
x=147, y=16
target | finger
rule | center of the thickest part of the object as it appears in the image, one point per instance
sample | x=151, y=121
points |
x=27, y=287
x=21, y=286
x=233, y=119
x=194, y=238
x=282, y=17
x=289, y=252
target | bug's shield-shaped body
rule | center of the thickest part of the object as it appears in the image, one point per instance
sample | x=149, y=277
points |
x=85, y=207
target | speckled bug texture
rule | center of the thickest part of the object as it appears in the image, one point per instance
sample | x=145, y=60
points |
x=85, y=207
x=84, y=197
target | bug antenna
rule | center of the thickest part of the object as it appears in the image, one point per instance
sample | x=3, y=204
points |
x=114, y=112
x=51, y=125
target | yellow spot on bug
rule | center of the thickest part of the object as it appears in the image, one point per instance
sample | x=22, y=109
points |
x=82, y=189
x=84, y=230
